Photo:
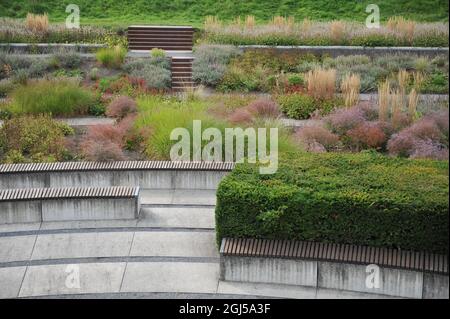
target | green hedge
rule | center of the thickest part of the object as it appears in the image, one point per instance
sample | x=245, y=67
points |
x=364, y=198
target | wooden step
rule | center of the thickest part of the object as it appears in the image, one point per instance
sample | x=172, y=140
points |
x=182, y=74
x=158, y=37
x=182, y=60
x=187, y=68
x=161, y=28
x=156, y=33
x=168, y=48
x=156, y=43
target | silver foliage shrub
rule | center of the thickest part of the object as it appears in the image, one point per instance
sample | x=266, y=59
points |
x=210, y=63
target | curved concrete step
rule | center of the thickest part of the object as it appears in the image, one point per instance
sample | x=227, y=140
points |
x=179, y=197
x=110, y=278
x=49, y=247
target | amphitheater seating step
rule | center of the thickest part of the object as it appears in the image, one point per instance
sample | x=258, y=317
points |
x=161, y=37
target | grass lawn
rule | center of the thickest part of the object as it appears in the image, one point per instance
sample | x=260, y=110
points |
x=125, y=12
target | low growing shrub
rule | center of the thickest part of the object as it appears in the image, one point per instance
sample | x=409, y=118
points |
x=343, y=120
x=301, y=106
x=264, y=108
x=362, y=199
x=37, y=139
x=6, y=86
x=367, y=135
x=157, y=53
x=137, y=64
x=111, y=57
x=97, y=109
x=210, y=63
x=68, y=59
x=240, y=116
x=297, y=106
x=103, y=143
x=57, y=96
x=427, y=138
x=121, y=107
x=102, y=151
x=155, y=77
x=316, y=139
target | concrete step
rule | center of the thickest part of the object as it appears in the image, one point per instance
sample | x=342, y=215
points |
x=50, y=247
x=179, y=197
x=50, y=280
x=192, y=217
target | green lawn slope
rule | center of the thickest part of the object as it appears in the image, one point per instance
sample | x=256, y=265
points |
x=124, y=12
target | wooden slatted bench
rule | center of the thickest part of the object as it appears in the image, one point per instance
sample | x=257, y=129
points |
x=63, y=204
x=335, y=266
x=146, y=174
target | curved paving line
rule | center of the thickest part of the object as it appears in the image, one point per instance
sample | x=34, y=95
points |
x=151, y=295
x=90, y=260
x=104, y=230
x=177, y=205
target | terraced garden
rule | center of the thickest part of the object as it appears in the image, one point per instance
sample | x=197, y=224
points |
x=362, y=146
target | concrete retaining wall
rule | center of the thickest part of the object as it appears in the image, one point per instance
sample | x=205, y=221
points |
x=47, y=48
x=165, y=179
x=353, y=50
x=23, y=211
x=333, y=275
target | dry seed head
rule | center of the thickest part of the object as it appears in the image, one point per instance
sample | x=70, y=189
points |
x=250, y=22
x=383, y=100
x=321, y=83
x=412, y=104
x=350, y=87
x=37, y=23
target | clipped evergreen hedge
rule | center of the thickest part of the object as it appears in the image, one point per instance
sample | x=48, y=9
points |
x=365, y=198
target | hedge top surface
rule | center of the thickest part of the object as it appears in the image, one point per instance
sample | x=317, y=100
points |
x=367, y=178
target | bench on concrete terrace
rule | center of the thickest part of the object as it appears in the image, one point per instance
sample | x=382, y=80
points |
x=64, y=204
x=145, y=174
x=339, y=267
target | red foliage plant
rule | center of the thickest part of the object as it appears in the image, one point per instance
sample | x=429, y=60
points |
x=423, y=139
x=441, y=120
x=139, y=84
x=316, y=138
x=429, y=149
x=121, y=107
x=240, y=116
x=104, y=143
x=370, y=111
x=367, y=135
x=345, y=119
x=264, y=108
x=102, y=151
x=293, y=88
